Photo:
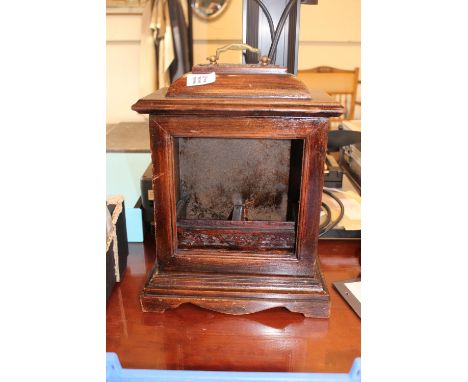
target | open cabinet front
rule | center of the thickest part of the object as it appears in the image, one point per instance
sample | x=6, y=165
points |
x=237, y=199
x=237, y=179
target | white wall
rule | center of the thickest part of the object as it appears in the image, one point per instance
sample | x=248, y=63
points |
x=123, y=66
x=223, y=30
x=330, y=34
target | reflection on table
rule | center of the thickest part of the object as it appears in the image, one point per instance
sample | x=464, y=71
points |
x=197, y=339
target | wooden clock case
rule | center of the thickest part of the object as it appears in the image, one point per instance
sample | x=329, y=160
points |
x=230, y=264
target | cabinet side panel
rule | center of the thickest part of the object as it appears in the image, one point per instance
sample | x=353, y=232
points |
x=311, y=192
x=164, y=191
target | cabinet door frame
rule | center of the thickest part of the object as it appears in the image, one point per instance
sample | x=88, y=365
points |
x=163, y=133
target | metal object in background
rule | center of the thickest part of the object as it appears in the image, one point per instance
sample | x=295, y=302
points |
x=214, y=59
x=342, y=137
x=350, y=151
x=351, y=156
x=209, y=9
x=262, y=19
x=333, y=174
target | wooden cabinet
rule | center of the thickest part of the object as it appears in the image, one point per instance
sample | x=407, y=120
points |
x=237, y=179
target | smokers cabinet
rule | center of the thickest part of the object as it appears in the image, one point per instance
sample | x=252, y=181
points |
x=237, y=181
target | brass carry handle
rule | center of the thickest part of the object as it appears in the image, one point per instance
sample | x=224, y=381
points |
x=214, y=59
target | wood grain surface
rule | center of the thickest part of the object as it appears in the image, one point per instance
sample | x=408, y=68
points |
x=319, y=104
x=193, y=338
x=275, y=86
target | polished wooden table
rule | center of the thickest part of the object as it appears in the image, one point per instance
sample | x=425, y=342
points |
x=193, y=338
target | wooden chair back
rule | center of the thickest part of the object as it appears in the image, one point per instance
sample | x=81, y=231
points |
x=338, y=83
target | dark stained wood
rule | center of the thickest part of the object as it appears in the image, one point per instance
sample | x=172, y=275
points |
x=235, y=234
x=193, y=338
x=238, y=267
x=319, y=104
x=237, y=294
x=277, y=86
x=295, y=165
x=234, y=239
x=229, y=224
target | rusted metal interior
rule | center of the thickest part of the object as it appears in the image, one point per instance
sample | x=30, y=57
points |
x=237, y=193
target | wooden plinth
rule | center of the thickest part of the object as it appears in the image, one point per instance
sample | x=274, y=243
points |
x=236, y=294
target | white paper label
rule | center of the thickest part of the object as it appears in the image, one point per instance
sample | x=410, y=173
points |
x=200, y=79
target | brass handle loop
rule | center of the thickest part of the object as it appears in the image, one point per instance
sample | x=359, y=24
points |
x=214, y=59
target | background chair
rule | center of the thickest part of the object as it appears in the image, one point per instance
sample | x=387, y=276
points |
x=338, y=83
